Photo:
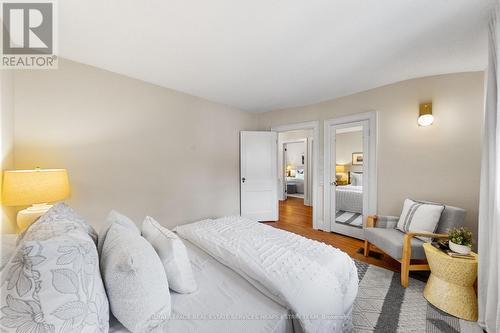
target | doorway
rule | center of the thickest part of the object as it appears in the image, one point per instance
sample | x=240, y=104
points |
x=295, y=165
x=298, y=149
x=350, y=175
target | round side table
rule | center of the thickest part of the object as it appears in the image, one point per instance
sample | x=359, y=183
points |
x=450, y=285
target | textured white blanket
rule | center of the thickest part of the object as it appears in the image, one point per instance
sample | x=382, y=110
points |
x=316, y=281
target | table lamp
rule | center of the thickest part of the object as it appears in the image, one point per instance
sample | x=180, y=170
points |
x=36, y=188
x=340, y=171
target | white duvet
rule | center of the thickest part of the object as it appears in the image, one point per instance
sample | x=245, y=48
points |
x=316, y=281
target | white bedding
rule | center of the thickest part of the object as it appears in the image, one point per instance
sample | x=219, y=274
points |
x=221, y=294
x=316, y=281
x=349, y=198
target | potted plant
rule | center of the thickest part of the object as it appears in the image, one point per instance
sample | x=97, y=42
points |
x=460, y=240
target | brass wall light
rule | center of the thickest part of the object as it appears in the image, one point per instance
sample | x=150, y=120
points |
x=425, y=117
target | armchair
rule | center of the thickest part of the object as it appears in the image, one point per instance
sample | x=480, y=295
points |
x=381, y=231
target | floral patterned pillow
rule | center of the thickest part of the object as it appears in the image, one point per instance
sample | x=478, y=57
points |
x=60, y=213
x=53, y=282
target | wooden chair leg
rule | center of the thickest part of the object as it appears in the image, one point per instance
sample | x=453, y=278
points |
x=405, y=261
x=405, y=273
x=367, y=249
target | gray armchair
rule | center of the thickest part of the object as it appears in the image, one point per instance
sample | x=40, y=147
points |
x=381, y=231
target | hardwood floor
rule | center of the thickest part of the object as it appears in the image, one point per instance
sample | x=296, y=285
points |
x=297, y=218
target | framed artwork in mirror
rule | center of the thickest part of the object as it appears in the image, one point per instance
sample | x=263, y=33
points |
x=357, y=158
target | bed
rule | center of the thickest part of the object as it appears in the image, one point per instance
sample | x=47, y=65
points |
x=349, y=198
x=222, y=294
x=250, y=276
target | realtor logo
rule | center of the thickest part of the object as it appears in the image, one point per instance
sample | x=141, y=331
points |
x=28, y=35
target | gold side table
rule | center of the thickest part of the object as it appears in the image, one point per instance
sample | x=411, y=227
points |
x=451, y=284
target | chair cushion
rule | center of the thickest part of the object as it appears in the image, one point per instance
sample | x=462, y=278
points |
x=391, y=242
x=452, y=217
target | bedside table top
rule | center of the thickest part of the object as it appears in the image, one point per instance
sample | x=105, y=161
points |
x=432, y=251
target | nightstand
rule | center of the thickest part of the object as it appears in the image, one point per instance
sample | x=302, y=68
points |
x=450, y=285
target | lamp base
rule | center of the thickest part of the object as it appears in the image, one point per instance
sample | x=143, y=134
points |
x=27, y=216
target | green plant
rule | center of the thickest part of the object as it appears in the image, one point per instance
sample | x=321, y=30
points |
x=460, y=236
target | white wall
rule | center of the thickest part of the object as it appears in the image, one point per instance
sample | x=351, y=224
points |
x=294, y=153
x=440, y=162
x=129, y=145
x=346, y=144
x=7, y=214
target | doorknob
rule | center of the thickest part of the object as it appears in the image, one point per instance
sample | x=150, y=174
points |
x=333, y=183
x=243, y=179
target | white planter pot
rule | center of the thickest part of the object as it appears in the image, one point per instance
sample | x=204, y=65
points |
x=462, y=249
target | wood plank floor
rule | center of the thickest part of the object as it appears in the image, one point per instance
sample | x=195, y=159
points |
x=297, y=218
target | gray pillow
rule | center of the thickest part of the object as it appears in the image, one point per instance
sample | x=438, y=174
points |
x=115, y=217
x=53, y=283
x=135, y=280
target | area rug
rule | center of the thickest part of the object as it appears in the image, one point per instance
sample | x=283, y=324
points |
x=383, y=305
x=349, y=218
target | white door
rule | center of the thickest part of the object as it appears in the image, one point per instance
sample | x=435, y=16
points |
x=259, y=175
x=348, y=199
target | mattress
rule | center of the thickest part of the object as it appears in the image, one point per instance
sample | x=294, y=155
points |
x=349, y=198
x=224, y=302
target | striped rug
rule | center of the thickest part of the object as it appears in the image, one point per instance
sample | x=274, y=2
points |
x=382, y=305
x=349, y=218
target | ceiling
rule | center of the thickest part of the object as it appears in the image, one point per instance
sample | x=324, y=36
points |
x=261, y=55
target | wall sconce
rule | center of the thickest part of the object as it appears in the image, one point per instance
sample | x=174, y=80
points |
x=425, y=117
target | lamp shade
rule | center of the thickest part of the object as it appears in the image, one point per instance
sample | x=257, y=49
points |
x=27, y=187
x=340, y=168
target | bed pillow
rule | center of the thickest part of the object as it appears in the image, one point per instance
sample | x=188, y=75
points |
x=135, y=280
x=356, y=179
x=419, y=216
x=60, y=213
x=115, y=217
x=52, y=283
x=173, y=255
x=8, y=247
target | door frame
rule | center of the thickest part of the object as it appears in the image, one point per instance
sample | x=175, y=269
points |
x=283, y=193
x=369, y=157
x=314, y=125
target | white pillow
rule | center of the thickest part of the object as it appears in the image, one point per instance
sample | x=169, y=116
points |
x=115, y=217
x=173, y=255
x=135, y=280
x=356, y=179
x=419, y=216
